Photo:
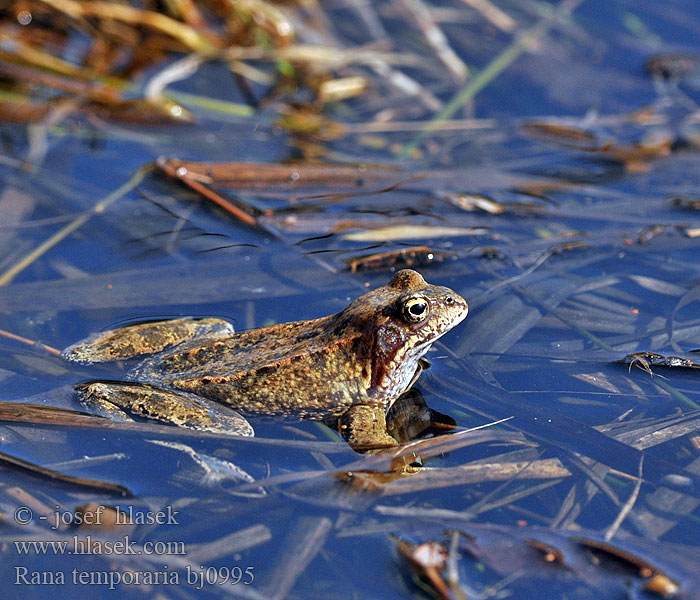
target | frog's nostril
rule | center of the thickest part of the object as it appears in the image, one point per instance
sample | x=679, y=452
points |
x=449, y=300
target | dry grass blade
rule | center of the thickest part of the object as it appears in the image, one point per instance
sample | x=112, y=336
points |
x=324, y=56
x=64, y=232
x=300, y=548
x=433, y=447
x=435, y=37
x=412, y=232
x=238, y=541
x=40, y=414
x=648, y=433
x=493, y=70
x=21, y=110
x=447, y=125
x=199, y=176
x=43, y=472
x=493, y=14
x=426, y=479
x=564, y=134
x=35, y=414
x=485, y=504
x=627, y=507
x=112, y=11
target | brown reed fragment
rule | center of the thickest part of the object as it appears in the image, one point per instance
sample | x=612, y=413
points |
x=219, y=200
x=28, y=342
x=413, y=256
x=39, y=414
x=36, y=469
x=256, y=175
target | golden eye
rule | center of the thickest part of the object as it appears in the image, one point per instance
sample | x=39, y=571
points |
x=415, y=309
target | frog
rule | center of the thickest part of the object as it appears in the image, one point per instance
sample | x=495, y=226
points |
x=345, y=369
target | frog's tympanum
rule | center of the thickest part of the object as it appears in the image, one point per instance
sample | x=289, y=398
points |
x=346, y=369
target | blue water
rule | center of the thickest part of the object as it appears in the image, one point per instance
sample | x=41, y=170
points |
x=547, y=322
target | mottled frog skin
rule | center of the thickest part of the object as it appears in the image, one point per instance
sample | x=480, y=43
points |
x=349, y=366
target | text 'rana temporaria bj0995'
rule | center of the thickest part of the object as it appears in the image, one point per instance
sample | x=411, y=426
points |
x=345, y=369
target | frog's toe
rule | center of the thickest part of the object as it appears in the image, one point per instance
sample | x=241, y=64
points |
x=163, y=405
x=363, y=426
x=144, y=338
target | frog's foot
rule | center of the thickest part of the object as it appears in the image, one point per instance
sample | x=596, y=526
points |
x=363, y=426
x=184, y=410
x=410, y=417
x=144, y=338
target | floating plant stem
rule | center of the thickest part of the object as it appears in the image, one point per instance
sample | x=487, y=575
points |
x=64, y=232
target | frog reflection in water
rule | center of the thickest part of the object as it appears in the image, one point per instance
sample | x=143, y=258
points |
x=345, y=369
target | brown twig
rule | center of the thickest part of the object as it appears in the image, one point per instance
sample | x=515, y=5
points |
x=19, y=338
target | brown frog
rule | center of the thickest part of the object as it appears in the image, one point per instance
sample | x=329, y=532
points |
x=346, y=368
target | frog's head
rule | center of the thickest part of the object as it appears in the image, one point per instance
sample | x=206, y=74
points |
x=403, y=318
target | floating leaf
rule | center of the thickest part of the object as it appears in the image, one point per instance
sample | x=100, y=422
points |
x=413, y=232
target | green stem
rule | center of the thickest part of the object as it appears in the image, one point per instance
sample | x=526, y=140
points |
x=492, y=70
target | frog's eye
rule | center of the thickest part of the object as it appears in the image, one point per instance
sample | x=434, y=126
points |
x=415, y=309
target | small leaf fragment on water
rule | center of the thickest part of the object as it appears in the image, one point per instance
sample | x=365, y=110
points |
x=658, y=285
x=563, y=134
x=412, y=232
x=661, y=585
x=428, y=560
x=471, y=202
x=335, y=90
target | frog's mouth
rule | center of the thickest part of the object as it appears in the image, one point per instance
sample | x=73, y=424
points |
x=454, y=321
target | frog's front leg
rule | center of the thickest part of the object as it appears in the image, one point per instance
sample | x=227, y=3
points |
x=144, y=338
x=363, y=426
x=164, y=405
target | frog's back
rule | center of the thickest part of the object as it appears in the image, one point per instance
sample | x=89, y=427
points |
x=297, y=368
